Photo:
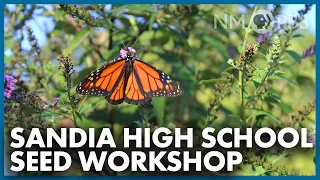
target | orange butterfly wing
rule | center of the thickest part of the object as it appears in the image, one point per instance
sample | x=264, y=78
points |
x=142, y=81
x=103, y=81
x=133, y=94
x=117, y=96
x=147, y=81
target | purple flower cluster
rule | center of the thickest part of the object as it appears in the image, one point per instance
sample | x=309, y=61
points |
x=262, y=37
x=56, y=100
x=309, y=51
x=123, y=53
x=9, y=82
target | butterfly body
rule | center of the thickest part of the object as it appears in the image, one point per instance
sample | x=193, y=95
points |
x=128, y=79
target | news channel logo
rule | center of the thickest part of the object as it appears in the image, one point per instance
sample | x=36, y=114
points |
x=264, y=22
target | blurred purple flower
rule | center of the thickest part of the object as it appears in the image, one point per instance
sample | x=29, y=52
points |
x=267, y=35
x=309, y=51
x=56, y=100
x=46, y=106
x=260, y=38
x=33, y=94
x=232, y=51
x=281, y=26
x=131, y=50
x=9, y=82
x=135, y=57
x=7, y=93
x=123, y=53
x=311, y=140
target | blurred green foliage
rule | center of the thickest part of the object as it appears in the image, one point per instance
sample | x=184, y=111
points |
x=184, y=42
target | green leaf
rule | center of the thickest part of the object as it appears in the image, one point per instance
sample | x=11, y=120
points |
x=88, y=107
x=297, y=35
x=87, y=123
x=261, y=112
x=236, y=88
x=285, y=107
x=256, y=81
x=133, y=7
x=239, y=48
x=273, y=96
x=8, y=43
x=59, y=15
x=277, y=77
x=231, y=62
x=78, y=115
x=139, y=124
x=7, y=36
x=212, y=81
x=187, y=81
x=295, y=56
x=49, y=114
x=259, y=171
x=228, y=69
x=114, y=52
x=159, y=108
x=77, y=40
x=217, y=44
x=7, y=59
x=176, y=33
x=171, y=126
x=147, y=35
x=152, y=19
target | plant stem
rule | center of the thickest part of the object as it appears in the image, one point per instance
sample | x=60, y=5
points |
x=81, y=103
x=259, y=87
x=72, y=107
x=241, y=80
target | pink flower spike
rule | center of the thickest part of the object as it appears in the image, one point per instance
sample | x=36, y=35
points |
x=123, y=52
x=132, y=50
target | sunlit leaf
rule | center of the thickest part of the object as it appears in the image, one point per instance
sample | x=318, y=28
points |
x=286, y=79
x=218, y=45
x=8, y=43
x=88, y=107
x=152, y=19
x=295, y=56
x=133, y=7
x=78, y=115
x=59, y=15
x=77, y=40
x=273, y=96
x=171, y=126
x=262, y=112
x=259, y=171
x=139, y=124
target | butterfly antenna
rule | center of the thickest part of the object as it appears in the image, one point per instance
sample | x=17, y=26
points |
x=123, y=43
x=134, y=43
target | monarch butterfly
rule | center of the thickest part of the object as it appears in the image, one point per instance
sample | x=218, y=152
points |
x=128, y=79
